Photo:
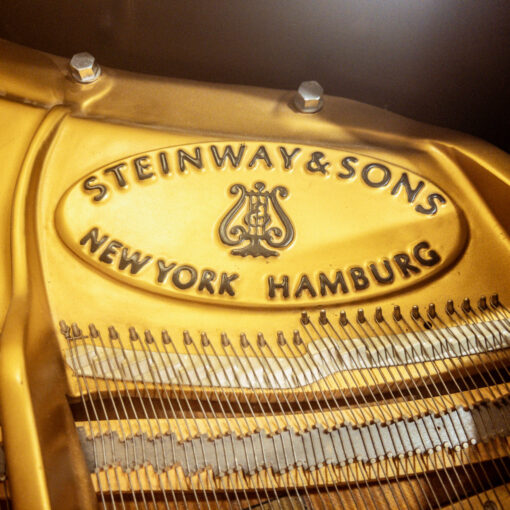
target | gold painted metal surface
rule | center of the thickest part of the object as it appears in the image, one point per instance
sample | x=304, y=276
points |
x=218, y=213
x=332, y=227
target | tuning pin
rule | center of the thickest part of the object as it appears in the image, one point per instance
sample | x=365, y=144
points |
x=305, y=319
x=112, y=332
x=449, y=307
x=323, y=318
x=361, y=316
x=204, y=339
x=432, y=311
x=148, y=337
x=343, y=318
x=133, y=335
x=466, y=305
x=165, y=337
x=187, y=337
x=495, y=300
x=261, y=341
x=397, y=314
x=280, y=338
x=379, y=315
x=94, y=333
x=415, y=312
x=64, y=328
x=77, y=333
x=224, y=340
x=296, y=338
x=244, y=341
x=482, y=303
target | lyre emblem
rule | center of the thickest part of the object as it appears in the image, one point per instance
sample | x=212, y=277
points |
x=259, y=222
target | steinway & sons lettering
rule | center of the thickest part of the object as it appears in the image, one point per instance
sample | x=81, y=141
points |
x=261, y=224
x=151, y=167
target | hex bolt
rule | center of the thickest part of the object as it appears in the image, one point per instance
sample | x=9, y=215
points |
x=84, y=68
x=309, y=97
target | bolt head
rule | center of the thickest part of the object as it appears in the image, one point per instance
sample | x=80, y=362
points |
x=309, y=97
x=84, y=68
